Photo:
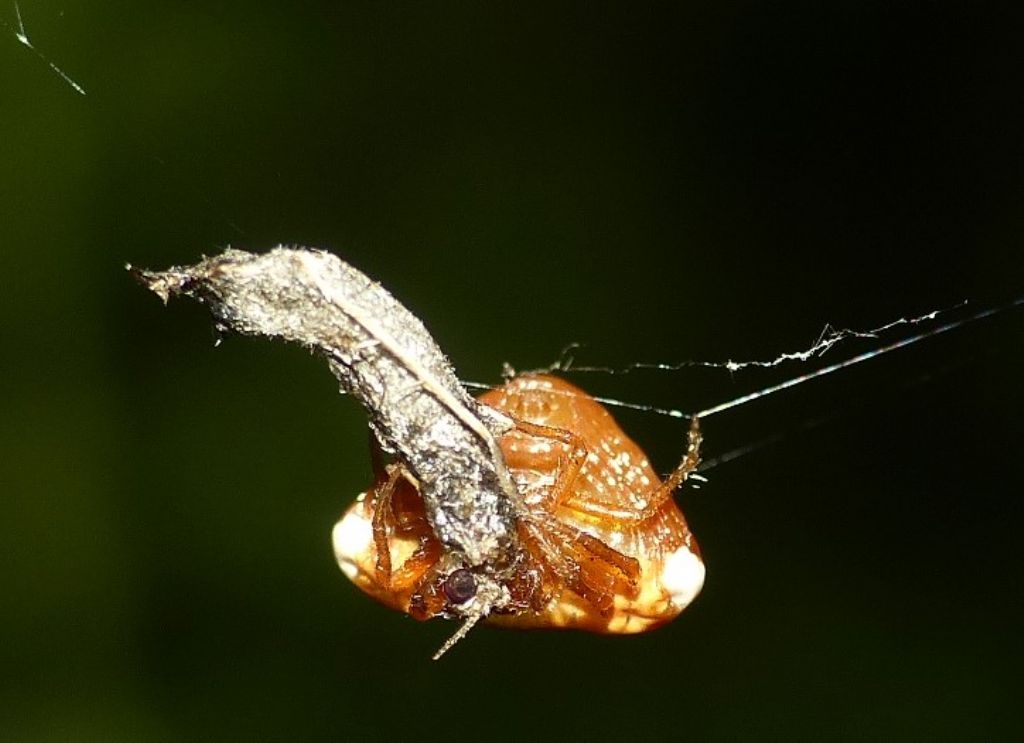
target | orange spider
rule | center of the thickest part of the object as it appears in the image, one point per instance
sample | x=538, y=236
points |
x=603, y=547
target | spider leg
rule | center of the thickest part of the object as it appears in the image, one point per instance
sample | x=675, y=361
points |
x=586, y=565
x=569, y=466
x=382, y=517
x=414, y=572
x=563, y=496
x=380, y=503
x=589, y=567
x=427, y=552
x=688, y=464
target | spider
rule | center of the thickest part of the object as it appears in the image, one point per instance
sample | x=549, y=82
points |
x=602, y=545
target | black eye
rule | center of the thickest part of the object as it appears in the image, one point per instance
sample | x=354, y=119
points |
x=460, y=586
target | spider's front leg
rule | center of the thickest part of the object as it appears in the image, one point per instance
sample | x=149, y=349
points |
x=382, y=523
x=591, y=568
x=570, y=467
x=390, y=485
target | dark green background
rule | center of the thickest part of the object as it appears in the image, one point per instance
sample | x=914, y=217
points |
x=714, y=181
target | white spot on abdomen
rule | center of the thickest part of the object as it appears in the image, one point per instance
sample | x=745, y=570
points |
x=352, y=537
x=683, y=576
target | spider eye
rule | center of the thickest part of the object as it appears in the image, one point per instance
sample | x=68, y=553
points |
x=460, y=586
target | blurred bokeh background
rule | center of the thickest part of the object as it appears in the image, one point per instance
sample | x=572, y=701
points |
x=697, y=180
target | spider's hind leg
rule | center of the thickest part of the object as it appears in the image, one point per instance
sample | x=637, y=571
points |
x=687, y=466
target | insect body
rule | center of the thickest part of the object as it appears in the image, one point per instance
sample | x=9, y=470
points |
x=602, y=545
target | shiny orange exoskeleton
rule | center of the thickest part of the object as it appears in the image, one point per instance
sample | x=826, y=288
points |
x=602, y=545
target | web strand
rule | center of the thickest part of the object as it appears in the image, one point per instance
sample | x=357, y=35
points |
x=22, y=36
x=565, y=363
x=828, y=338
x=824, y=371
